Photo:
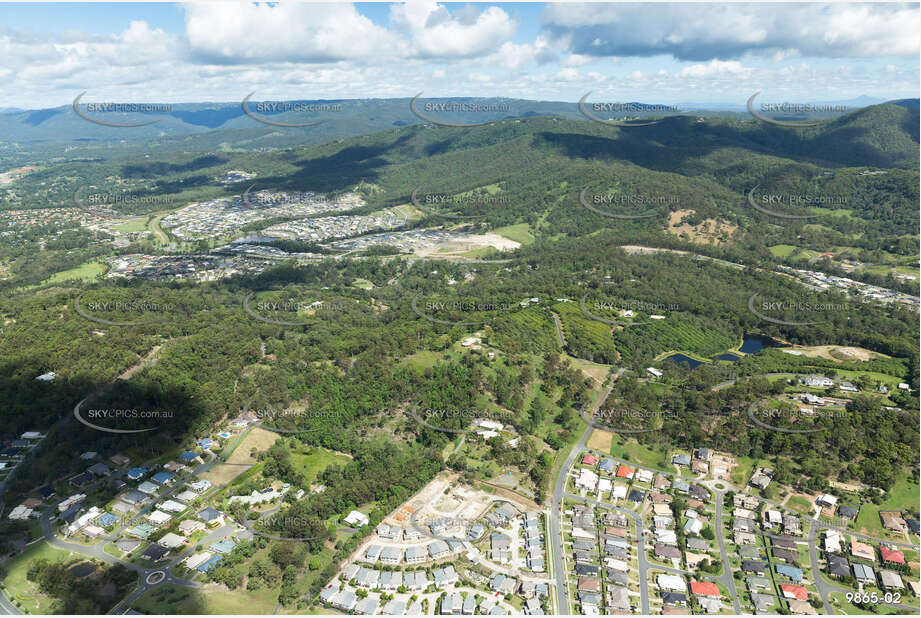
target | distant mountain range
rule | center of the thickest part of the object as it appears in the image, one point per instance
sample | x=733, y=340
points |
x=356, y=116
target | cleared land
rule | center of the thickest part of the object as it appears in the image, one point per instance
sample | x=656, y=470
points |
x=84, y=272
x=600, y=441
x=832, y=352
x=708, y=231
x=240, y=460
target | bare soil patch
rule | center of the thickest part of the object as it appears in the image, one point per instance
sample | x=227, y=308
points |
x=240, y=460
x=708, y=231
x=600, y=441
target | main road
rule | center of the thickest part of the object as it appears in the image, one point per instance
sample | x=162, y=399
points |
x=556, y=509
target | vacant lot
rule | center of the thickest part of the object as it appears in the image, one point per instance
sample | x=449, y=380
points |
x=600, y=441
x=240, y=460
x=832, y=352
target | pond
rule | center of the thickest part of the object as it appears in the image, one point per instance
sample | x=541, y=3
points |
x=681, y=358
x=756, y=343
x=728, y=357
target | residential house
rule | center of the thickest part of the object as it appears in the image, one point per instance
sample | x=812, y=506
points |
x=890, y=580
x=794, y=592
x=891, y=555
x=753, y=566
x=862, y=550
x=863, y=574
x=892, y=520
x=838, y=566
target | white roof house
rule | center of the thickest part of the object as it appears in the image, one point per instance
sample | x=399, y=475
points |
x=20, y=512
x=643, y=475
x=196, y=560
x=671, y=582
x=159, y=518
x=773, y=517
x=356, y=518
x=826, y=500
x=654, y=372
x=487, y=424
x=84, y=520
x=171, y=540
x=587, y=479
x=832, y=541
x=172, y=506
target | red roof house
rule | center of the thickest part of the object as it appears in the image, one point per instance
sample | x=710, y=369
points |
x=794, y=592
x=589, y=460
x=892, y=555
x=624, y=472
x=707, y=589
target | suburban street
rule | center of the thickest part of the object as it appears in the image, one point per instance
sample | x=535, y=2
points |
x=642, y=564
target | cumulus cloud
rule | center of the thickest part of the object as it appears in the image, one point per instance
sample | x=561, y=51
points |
x=435, y=32
x=701, y=32
x=715, y=69
x=286, y=32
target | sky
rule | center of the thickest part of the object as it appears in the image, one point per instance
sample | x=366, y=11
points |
x=655, y=53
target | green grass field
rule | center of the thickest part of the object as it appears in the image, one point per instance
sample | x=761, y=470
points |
x=519, y=232
x=23, y=591
x=134, y=225
x=782, y=251
x=317, y=460
x=744, y=468
x=799, y=504
x=903, y=494
x=424, y=359
x=87, y=271
x=633, y=451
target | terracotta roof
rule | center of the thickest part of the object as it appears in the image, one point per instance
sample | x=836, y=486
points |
x=705, y=588
x=892, y=555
